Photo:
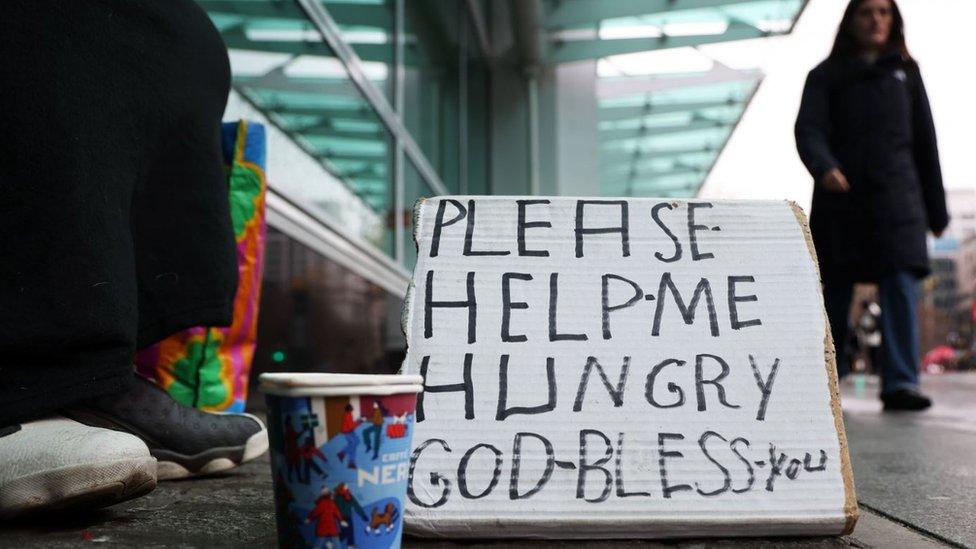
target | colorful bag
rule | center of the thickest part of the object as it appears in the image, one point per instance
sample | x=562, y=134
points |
x=208, y=367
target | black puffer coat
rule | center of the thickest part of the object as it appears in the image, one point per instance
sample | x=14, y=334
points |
x=873, y=122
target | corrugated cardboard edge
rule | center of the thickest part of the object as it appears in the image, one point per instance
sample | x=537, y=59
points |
x=830, y=362
x=406, y=318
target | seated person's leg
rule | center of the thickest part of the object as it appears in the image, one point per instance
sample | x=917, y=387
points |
x=68, y=301
x=89, y=247
x=185, y=258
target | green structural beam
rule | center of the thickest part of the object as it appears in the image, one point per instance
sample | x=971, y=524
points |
x=578, y=50
x=364, y=15
x=252, y=9
x=577, y=13
x=339, y=156
x=649, y=177
x=326, y=113
x=310, y=86
x=340, y=134
x=640, y=133
x=237, y=38
x=640, y=111
x=652, y=166
x=674, y=186
x=612, y=157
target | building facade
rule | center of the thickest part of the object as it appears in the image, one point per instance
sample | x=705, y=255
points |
x=371, y=105
x=949, y=293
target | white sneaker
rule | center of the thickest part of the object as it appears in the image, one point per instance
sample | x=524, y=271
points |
x=57, y=463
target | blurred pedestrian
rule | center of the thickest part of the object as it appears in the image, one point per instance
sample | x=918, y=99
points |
x=866, y=135
x=868, y=330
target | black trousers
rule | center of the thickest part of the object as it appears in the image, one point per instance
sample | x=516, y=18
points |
x=115, y=227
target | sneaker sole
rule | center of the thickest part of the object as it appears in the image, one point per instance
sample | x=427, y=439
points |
x=82, y=486
x=174, y=466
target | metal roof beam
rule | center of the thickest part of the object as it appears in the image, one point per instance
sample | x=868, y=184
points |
x=637, y=133
x=326, y=133
x=365, y=175
x=384, y=53
x=529, y=36
x=380, y=53
x=237, y=39
x=609, y=88
x=575, y=13
x=363, y=15
x=480, y=25
x=639, y=164
x=578, y=50
x=647, y=167
x=269, y=10
x=646, y=185
x=635, y=172
x=319, y=87
x=640, y=111
x=329, y=113
x=350, y=157
x=615, y=157
x=634, y=188
x=371, y=186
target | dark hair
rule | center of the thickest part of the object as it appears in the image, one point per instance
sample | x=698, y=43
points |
x=846, y=43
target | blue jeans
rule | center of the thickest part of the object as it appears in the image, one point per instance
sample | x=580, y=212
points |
x=375, y=433
x=352, y=442
x=898, y=293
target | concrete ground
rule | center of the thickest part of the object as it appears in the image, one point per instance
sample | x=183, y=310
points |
x=917, y=468
x=914, y=475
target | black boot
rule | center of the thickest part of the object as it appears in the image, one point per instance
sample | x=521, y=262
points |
x=186, y=441
x=905, y=400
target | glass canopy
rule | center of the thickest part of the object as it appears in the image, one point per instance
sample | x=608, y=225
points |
x=666, y=109
x=281, y=64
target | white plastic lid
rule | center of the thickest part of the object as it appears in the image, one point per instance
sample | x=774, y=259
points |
x=317, y=384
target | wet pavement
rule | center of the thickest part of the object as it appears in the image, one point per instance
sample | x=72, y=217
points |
x=914, y=475
x=235, y=510
x=917, y=468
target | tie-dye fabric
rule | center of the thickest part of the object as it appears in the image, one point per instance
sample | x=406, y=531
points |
x=208, y=367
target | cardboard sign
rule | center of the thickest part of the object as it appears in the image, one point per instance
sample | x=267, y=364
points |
x=622, y=368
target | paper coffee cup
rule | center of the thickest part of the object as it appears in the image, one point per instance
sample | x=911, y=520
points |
x=340, y=456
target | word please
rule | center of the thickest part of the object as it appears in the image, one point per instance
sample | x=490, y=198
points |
x=582, y=228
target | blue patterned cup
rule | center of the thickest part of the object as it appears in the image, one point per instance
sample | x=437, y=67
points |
x=340, y=456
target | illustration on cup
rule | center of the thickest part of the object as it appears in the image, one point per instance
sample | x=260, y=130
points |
x=340, y=468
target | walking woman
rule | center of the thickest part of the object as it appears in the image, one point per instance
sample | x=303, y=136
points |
x=866, y=135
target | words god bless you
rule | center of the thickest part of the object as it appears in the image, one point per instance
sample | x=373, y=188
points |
x=687, y=380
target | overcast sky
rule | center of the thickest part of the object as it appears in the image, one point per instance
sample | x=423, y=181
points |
x=760, y=160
